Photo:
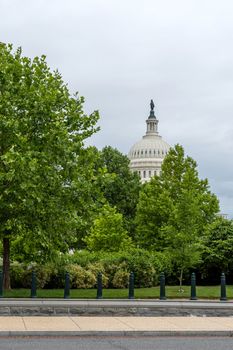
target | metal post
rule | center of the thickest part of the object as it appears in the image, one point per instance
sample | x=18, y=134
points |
x=67, y=286
x=162, y=287
x=131, y=285
x=1, y=284
x=223, y=287
x=33, y=285
x=193, y=287
x=99, y=286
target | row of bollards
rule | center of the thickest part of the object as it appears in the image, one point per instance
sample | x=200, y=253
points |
x=99, y=295
x=162, y=295
x=193, y=294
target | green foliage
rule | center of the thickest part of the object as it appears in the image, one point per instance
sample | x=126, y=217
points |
x=97, y=267
x=218, y=247
x=146, y=265
x=21, y=275
x=174, y=209
x=80, y=277
x=17, y=275
x=46, y=181
x=143, y=266
x=108, y=233
x=121, y=188
x=121, y=279
x=84, y=267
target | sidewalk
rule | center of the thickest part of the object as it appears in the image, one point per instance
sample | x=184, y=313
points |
x=110, y=326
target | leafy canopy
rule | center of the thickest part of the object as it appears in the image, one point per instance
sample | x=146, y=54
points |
x=42, y=130
x=121, y=189
x=108, y=233
x=218, y=249
x=174, y=209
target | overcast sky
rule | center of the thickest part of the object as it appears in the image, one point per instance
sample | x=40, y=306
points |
x=120, y=54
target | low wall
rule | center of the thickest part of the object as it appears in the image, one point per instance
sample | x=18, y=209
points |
x=42, y=307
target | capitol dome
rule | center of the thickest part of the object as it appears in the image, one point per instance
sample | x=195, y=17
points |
x=146, y=156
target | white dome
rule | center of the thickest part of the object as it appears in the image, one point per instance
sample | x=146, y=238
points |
x=146, y=156
x=149, y=147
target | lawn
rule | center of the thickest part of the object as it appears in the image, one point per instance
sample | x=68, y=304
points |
x=172, y=292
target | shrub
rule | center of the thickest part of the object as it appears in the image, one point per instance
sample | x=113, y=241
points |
x=57, y=277
x=121, y=279
x=21, y=275
x=42, y=275
x=81, y=278
x=144, y=270
x=95, y=269
x=17, y=275
x=81, y=257
x=84, y=266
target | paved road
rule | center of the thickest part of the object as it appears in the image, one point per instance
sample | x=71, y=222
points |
x=117, y=343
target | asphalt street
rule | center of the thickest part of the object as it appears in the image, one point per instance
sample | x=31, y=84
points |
x=115, y=343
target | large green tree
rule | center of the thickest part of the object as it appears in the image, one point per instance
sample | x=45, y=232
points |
x=121, y=188
x=173, y=210
x=42, y=130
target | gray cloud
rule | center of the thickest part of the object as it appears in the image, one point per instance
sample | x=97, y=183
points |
x=119, y=55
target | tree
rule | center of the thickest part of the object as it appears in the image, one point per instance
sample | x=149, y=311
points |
x=108, y=233
x=122, y=188
x=174, y=209
x=218, y=248
x=86, y=198
x=42, y=130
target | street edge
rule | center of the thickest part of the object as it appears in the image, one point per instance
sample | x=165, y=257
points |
x=183, y=333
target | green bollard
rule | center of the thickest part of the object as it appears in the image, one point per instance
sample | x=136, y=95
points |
x=162, y=287
x=1, y=284
x=131, y=285
x=99, y=286
x=223, y=287
x=193, y=287
x=33, y=285
x=67, y=286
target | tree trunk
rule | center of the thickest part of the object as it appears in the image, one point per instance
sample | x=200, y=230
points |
x=6, y=264
x=181, y=280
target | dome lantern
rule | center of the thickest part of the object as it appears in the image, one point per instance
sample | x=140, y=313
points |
x=152, y=121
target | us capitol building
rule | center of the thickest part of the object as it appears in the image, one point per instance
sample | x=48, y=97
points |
x=146, y=156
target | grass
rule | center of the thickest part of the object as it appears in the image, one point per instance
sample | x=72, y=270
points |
x=172, y=292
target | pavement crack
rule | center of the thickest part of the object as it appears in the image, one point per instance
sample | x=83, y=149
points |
x=76, y=324
x=124, y=323
x=24, y=324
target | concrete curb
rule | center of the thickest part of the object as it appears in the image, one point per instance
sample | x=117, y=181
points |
x=116, y=334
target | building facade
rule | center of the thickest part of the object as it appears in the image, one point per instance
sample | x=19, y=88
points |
x=146, y=156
